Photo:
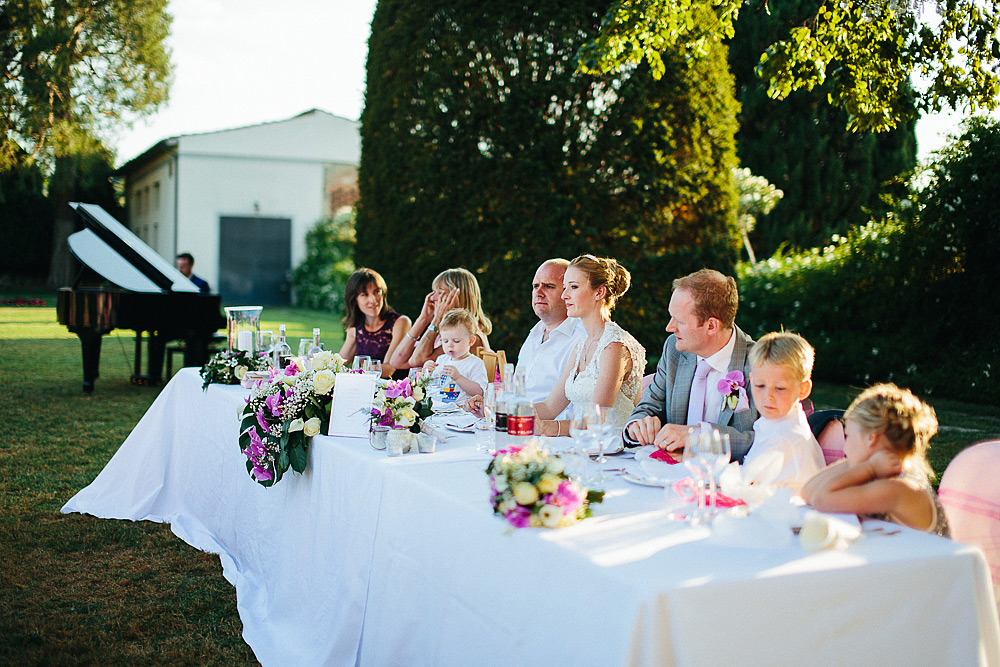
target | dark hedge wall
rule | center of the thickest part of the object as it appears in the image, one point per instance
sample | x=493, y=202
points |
x=482, y=147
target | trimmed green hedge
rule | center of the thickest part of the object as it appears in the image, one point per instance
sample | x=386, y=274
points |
x=909, y=299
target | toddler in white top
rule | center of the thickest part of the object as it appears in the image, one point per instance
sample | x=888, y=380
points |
x=458, y=331
x=780, y=369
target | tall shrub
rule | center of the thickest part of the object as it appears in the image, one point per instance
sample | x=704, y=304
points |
x=832, y=178
x=910, y=298
x=320, y=279
x=483, y=147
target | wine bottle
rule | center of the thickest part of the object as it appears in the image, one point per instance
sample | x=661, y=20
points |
x=521, y=411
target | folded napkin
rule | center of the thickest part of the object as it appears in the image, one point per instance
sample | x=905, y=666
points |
x=754, y=482
x=685, y=488
x=823, y=531
x=768, y=526
x=663, y=455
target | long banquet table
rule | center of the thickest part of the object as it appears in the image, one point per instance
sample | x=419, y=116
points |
x=370, y=560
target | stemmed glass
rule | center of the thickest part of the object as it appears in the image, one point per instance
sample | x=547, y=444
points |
x=373, y=367
x=692, y=459
x=605, y=433
x=584, y=428
x=714, y=453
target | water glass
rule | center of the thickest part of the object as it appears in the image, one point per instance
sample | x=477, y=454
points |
x=490, y=404
x=692, y=461
x=485, y=437
x=305, y=344
x=359, y=362
x=374, y=367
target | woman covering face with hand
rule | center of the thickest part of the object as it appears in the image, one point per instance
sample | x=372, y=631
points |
x=454, y=288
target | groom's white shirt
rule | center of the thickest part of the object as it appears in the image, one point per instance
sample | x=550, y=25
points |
x=543, y=363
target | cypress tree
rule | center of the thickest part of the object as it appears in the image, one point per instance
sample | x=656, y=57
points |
x=483, y=147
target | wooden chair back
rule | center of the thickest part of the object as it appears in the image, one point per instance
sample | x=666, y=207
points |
x=494, y=361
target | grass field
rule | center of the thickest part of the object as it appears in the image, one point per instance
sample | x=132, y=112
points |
x=79, y=590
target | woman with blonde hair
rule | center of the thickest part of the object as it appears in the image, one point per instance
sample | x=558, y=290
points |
x=605, y=368
x=453, y=288
x=886, y=473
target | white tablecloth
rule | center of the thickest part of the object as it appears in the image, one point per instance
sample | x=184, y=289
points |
x=371, y=560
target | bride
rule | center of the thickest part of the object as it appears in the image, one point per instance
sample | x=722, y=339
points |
x=605, y=368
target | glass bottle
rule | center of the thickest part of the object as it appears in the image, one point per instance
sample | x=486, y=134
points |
x=520, y=410
x=281, y=355
x=317, y=347
x=504, y=397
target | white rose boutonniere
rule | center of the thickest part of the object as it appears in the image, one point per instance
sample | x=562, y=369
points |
x=323, y=381
x=312, y=427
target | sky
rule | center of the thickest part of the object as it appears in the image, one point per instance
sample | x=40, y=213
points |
x=243, y=62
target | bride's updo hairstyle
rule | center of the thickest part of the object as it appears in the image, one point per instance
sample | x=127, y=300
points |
x=606, y=272
x=907, y=423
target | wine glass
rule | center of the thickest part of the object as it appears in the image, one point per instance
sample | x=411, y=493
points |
x=359, y=362
x=713, y=454
x=584, y=427
x=605, y=433
x=692, y=459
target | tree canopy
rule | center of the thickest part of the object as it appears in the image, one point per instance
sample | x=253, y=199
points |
x=866, y=50
x=71, y=70
x=484, y=147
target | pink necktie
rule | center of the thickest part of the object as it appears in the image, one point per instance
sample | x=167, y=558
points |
x=696, y=402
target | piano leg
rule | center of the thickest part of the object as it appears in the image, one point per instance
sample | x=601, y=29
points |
x=154, y=359
x=90, y=345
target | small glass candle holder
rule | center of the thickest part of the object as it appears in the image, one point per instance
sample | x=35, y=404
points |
x=397, y=441
x=378, y=436
x=426, y=443
x=242, y=327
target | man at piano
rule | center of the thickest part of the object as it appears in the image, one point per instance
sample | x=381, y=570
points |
x=185, y=264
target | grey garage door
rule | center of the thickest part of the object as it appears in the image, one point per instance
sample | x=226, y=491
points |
x=255, y=260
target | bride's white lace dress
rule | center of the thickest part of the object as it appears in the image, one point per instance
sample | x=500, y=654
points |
x=580, y=386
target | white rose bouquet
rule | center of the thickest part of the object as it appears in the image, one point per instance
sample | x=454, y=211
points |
x=529, y=487
x=402, y=405
x=229, y=367
x=283, y=412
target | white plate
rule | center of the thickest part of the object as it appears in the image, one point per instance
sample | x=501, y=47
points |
x=615, y=448
x=460, y=429
x=643, y=481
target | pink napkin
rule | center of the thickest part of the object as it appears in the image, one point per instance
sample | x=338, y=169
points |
x=686, y=490
x=663, y=455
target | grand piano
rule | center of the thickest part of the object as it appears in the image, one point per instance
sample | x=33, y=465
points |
x=149, y=295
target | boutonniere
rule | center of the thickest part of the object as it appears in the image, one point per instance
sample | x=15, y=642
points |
x=729, y=388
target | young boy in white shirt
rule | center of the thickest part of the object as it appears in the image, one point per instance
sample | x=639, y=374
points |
x=780, y=369
x=458, y=331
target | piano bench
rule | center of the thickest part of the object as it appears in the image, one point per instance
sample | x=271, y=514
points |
x=219, y=342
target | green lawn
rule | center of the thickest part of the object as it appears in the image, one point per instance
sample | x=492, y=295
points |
x=79, y=590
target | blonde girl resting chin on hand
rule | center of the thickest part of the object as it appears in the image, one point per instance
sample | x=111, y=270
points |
x=885, y=473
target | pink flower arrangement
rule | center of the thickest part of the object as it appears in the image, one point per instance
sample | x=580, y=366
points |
x=529, y=487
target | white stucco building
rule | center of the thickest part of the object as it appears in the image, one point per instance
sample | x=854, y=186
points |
x=242, y=200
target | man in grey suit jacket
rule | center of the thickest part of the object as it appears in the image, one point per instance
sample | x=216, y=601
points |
x=702, y=327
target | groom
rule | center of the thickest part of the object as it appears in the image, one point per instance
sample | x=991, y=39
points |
x=704, y=345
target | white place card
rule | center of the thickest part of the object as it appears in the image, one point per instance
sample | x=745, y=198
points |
x=352, y=404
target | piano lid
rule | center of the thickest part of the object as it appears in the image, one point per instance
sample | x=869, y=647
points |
x=110, y=249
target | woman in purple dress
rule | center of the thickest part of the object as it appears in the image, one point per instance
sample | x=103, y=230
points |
x=371, y=327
